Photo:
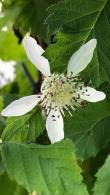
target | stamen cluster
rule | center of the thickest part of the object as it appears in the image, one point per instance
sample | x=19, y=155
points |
x=61, y=92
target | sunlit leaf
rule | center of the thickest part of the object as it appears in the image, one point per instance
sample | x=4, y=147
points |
x=9, y=47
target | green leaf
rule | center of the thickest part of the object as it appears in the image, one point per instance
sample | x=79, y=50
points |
x=102, y=185
x=1, y=103
x=27, y=15
x=8, y=187
x=9, y=15
x=103, y=48
x=45, y=169
x=89, y=129
x=76, y=22
x=24, y=128
x=75, y=12
x=2, y=121
x=2, y=169
x=9, y=48
x=2, y=124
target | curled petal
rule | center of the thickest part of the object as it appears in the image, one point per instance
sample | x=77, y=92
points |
x=55, y=126
x=34, y=53
x=81, y=58
x=92, y=95
x=21, y=106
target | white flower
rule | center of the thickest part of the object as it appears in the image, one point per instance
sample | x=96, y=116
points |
x=7, y=72
x=59, y=92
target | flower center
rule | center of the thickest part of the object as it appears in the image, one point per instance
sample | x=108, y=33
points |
x=59, y=91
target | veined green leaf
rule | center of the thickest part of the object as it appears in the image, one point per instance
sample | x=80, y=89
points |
x=89, y=129
x=45, y=169
x=24, y=128
x=76, y=21
x=102, y=186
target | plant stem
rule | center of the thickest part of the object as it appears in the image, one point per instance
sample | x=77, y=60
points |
x=28, y=74
x=36, y=85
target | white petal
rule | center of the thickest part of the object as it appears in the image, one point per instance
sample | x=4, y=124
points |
x=81, y=58
x=34, y=52
x=92, y=95
x=55, y=126
x=21, y=106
